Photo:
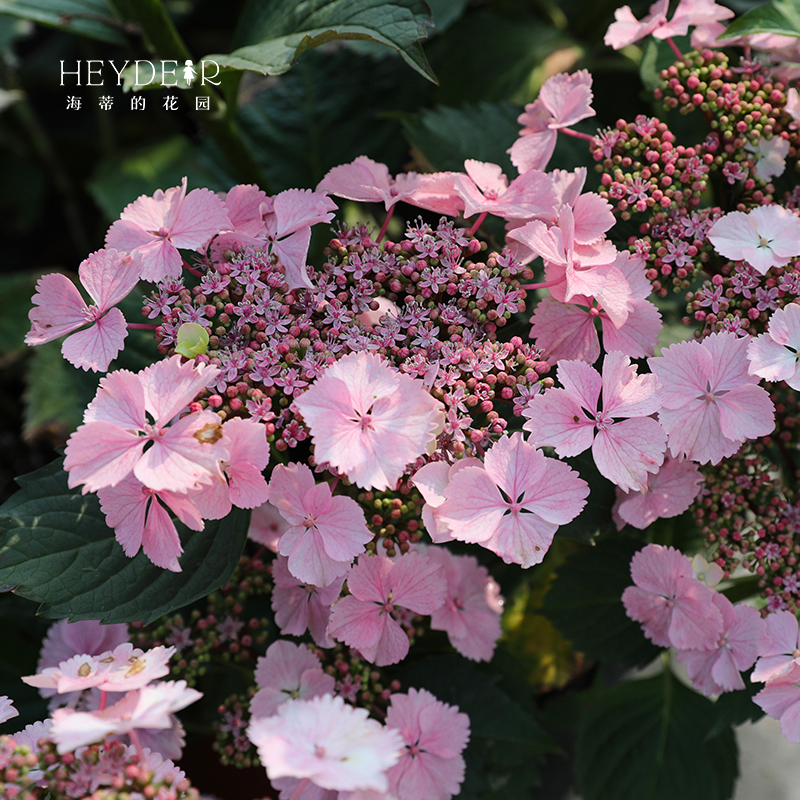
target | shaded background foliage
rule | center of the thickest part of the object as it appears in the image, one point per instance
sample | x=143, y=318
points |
x=65, y=175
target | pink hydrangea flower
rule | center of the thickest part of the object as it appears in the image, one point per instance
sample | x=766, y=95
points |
x=155, y=227
x=780, y=699
x=485, y=189
x=148, y=707
x=432, y=480
x=287, y=671
x=247, y=457
x=288, y=230
x=367, y=181
x=7, y=710
x=140, y=519
x=673, y=607
x=569, y=420
x=718, y=668
x=66, y=639
x=369, y=421
x=667, y=493
x=774, y=355
x=108, y=277
x=573, y=269
x=563, y=100
x=111, y=442
x=119, y=670
x=327, y=532
x=783, y=651
x=567, y=331
x=267, y=525
x=764, y=237
x=333, y=744
x=300, y=607
x=710, y=404
x=245, y=206
x=377, y=585
x=627, y=29
x=471, y=624
x=435, y=734
x=514, y=504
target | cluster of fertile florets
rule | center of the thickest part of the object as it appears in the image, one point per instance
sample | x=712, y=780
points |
x=108, y=771
x=418, y=304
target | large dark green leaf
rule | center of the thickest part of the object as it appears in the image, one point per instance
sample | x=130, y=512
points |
x=271, y=35
x=649, y=740
x=16, y=290
x=448, y=136
x=585, y=603
x=57, y=550
x=332, y=108
x=494, y=58
x=117, y=182
x=507, y=744
x=51, y=394
x=780, y=16
x=91, y=18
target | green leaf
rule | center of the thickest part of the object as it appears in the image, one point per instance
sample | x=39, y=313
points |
x=507, y=744
x=781, y=16
x=332, y=108
x=447, y=136
x=595, y=519
x=659, y=55
x=734, y=708
x=585, y=603
x=16, y=290
x=648, y=740
x=119, y=181
x=51, y=394
x=92, y=18
x=57, y=550
x=271, y=35
x=492, y=55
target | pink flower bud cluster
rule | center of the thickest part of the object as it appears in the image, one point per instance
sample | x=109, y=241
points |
x=31, y=768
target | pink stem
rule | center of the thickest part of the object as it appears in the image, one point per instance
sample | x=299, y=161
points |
x=546, y=285
x=103, y=699
x=334, y=484
x=382, y=231
x=142, y=326
x=477, y=224
x=137, y=743
x=674, y=48
x=577, y=134
x=191, y=269
x=300, y=789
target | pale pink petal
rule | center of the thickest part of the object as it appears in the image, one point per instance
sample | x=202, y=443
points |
x=127, y=235
x=364, y=180
x=669, y=492
x=582, y=382
x=593, y=217
x=159, y=260
x=638, y=336
x=120, y=401
x=100, y=454
x=201, y=215
x=417, y=583
x=243, y=207
x=732, y=232
x=746, y=412
x=533, y=151
x=178, y=459
x=58, y=309
x=169, y=386
x=568, y=97
x=564, y=332
x=487, y=177
x=292, y=253
x=109, y=276
x=684, y=370
x=97, y=346
x=300, y=208
x=557, y=419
